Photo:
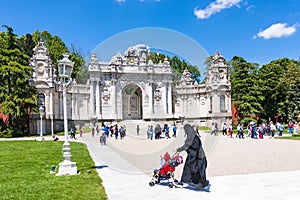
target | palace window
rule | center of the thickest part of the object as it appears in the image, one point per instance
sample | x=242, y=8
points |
x=222, y=103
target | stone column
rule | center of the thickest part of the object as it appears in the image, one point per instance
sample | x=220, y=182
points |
x=114, y=98
x=92, y=104
x=97, y=98
x=51, y=111
x=163, y=90
x=169, y=98
x=73, y=99
x=150, y=93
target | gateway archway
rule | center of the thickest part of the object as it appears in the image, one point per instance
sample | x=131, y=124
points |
x=132, y=107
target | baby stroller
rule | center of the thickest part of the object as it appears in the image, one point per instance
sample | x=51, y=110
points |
x=166, y=172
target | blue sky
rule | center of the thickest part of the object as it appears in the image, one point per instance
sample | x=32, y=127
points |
x=258, y=30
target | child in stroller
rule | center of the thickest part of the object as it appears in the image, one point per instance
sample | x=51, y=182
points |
x=166, y=172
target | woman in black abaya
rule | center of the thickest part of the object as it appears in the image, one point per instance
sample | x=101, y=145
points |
x=194, y=171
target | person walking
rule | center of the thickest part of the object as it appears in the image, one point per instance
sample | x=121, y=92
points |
x=167, y=130
x=80, y=132
x=116, y=132
x=150, y=132
x=93, y=132
x=214, y=129
x=174, y=131
x=103, y=139
x=241, y=131
x=296, y=128
x=290, y=127
x=280, y=129
x=97, y=130
x=230, y=130
x=194, y=170
x=157, y=131
x=224, y=129
x=273, y=129
x=138, y=129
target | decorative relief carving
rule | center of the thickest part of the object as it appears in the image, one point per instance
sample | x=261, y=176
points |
x=146, y=98
x=93, y=62
x=202, y=100
x=177, y=103
x=157, y=95
x=105, y=95
x=186, y=78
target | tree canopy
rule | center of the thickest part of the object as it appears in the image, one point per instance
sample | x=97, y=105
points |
x=279, y=78
x=56, y=48
x=245, y=86
x=269, y=92
x=17, y=97
x=177, y=65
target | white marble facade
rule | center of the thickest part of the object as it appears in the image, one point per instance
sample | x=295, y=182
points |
x=132, y=87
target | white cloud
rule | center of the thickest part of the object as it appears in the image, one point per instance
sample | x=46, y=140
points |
x=277, y=31
x=250, y=7
x=121, y=1
x=215, y=7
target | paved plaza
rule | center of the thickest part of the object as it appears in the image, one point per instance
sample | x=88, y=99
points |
x=237, y=168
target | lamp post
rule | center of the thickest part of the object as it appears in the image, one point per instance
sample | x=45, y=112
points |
x=41, y=109
x=65, y=67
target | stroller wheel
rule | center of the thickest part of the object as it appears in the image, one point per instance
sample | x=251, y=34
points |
x=171, y=185
x=151, y=183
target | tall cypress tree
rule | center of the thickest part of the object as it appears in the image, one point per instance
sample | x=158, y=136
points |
x=17, y=97
x=246, y=91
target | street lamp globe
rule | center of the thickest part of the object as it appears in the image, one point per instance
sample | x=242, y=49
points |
x=65, y=67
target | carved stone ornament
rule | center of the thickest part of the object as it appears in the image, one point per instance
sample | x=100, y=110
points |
x=157, y=95
x=186, y=77
x=146, y=98
x=177, y=103
x=202, y=100
x=105, y=95
x=93, y=62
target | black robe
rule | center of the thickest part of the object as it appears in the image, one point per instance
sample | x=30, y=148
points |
x=194, y=169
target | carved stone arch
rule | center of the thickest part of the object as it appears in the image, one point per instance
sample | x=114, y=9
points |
x=41, y=84
x=123, y=84
x=132, y=101
x=208, y=88
x=222, y=88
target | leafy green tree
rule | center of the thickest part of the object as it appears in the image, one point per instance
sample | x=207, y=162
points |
x=27, y=44
x=177, y=65
x=79, y=71
x=17, y=97
x=277, y=77
x=56, y=47
x=246, y=91
x=290, y=108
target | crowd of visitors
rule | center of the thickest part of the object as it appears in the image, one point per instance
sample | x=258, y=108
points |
x=159, y=132
x=255, y=131
x=251, y=130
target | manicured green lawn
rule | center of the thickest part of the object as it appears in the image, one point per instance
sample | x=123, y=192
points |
x=289, y=137
x=25, y=167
